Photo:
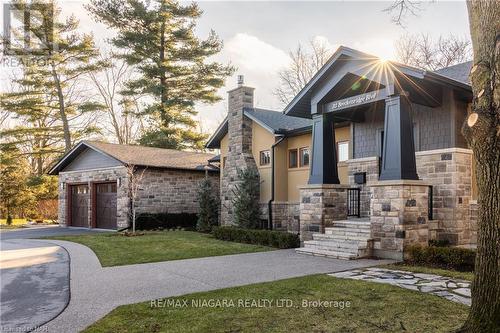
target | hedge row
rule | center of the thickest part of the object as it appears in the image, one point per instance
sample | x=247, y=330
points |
x=148, y=221
x=279, y=239
x=456, y=258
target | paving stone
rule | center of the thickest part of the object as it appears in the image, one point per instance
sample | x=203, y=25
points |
x=433, y=284
x=452, y=285
x=462, y=291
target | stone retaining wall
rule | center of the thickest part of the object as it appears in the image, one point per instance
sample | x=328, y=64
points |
x=320, y=205
x=286, y=216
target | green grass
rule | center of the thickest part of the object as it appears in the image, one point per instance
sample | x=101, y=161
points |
x=113, y=249
x=430, y=270
x=374, y=308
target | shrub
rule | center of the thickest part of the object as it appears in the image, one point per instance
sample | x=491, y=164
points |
x=456, y=258
x=279, y=239
x=148, y=221
x=439, y=242
x=246, y=199
x=208, y=200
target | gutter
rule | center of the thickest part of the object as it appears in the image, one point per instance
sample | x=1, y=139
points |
x=282, y=137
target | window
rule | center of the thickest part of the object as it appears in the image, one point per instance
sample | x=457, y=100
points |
x=292, y=158
x=265, y=157
x=304, y=156
x=343, y=150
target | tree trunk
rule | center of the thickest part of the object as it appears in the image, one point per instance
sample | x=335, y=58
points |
x=482, y=131
x=62, y=111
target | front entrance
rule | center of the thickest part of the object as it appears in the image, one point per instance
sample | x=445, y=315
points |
x=79, y=206
x=105, y=205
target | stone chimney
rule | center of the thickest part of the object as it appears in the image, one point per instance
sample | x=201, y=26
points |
x=239, y=155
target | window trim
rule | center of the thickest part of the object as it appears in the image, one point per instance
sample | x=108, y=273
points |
x=338, y=150
x=296, y=158
x=300, y=157
x=260, y=157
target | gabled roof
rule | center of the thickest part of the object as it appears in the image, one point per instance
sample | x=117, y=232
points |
x=140, y=156
x=445, y=76
x=459, y=72
x=274, y=121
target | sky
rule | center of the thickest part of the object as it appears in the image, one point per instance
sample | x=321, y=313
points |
x=258, y=35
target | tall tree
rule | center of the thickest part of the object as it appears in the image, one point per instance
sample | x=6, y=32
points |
x=158, y=39
x=423, y=52
x=305, y=62
x=482, y=132
x=58, y=56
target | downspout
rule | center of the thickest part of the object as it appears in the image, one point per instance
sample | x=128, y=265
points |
x=270, y=203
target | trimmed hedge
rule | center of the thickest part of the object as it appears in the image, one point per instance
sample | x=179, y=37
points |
x=279, y=239
x=148, y=221
x=456, y=258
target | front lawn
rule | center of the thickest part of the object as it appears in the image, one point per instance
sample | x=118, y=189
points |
x=373, y=307
x=113, y=249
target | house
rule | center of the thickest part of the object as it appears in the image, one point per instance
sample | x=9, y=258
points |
x=94, y=183
x=367, y=158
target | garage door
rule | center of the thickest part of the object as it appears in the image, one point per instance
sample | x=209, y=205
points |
x=106, y=206
x=80, y=206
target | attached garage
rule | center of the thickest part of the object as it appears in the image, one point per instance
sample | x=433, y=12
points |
x=94, y=182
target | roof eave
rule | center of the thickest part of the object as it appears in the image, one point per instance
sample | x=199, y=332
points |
x=212, y=143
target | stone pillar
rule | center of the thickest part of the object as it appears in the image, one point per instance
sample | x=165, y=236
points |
x=320, y=205
x=239, y=155
x=399, y=214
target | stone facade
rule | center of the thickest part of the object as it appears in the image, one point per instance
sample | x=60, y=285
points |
x=370, y=166
x=320, y=205
x=449, y=171
x=88, y=177
x=160, y=190
x=399, y=216
x=286, y=216
x=171, y=191
x=239, y=155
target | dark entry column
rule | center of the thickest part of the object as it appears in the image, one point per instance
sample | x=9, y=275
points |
x=324, y=153
x=398, y=159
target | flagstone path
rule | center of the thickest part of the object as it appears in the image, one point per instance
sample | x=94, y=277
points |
x=452, y=289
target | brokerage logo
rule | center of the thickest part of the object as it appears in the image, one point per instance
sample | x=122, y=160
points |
x=28, y=29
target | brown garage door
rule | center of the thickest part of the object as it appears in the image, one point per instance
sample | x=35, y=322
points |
x=80, y=206
x=106, y=206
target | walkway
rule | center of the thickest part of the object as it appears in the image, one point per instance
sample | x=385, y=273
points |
x=95, y=291
x=452, y=289
x=45, y=231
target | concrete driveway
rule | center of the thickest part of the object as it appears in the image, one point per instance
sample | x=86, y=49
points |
x=45, y=231
x=95, y=290
x=34, y=286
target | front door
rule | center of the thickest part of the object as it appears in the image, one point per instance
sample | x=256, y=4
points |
x=80, y=206
x=105, y=208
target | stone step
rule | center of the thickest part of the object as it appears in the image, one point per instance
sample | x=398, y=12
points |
x=357, y=237
x=345, y=246
x=351, y=224
x=348, y=232
x=326, y=253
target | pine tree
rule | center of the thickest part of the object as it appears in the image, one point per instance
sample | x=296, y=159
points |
x=246, y=200
x=157, y=37
x=208, y=200
x=62, y=57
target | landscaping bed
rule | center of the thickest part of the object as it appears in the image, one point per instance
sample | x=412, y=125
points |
x=372, y=308
x=114, y=249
